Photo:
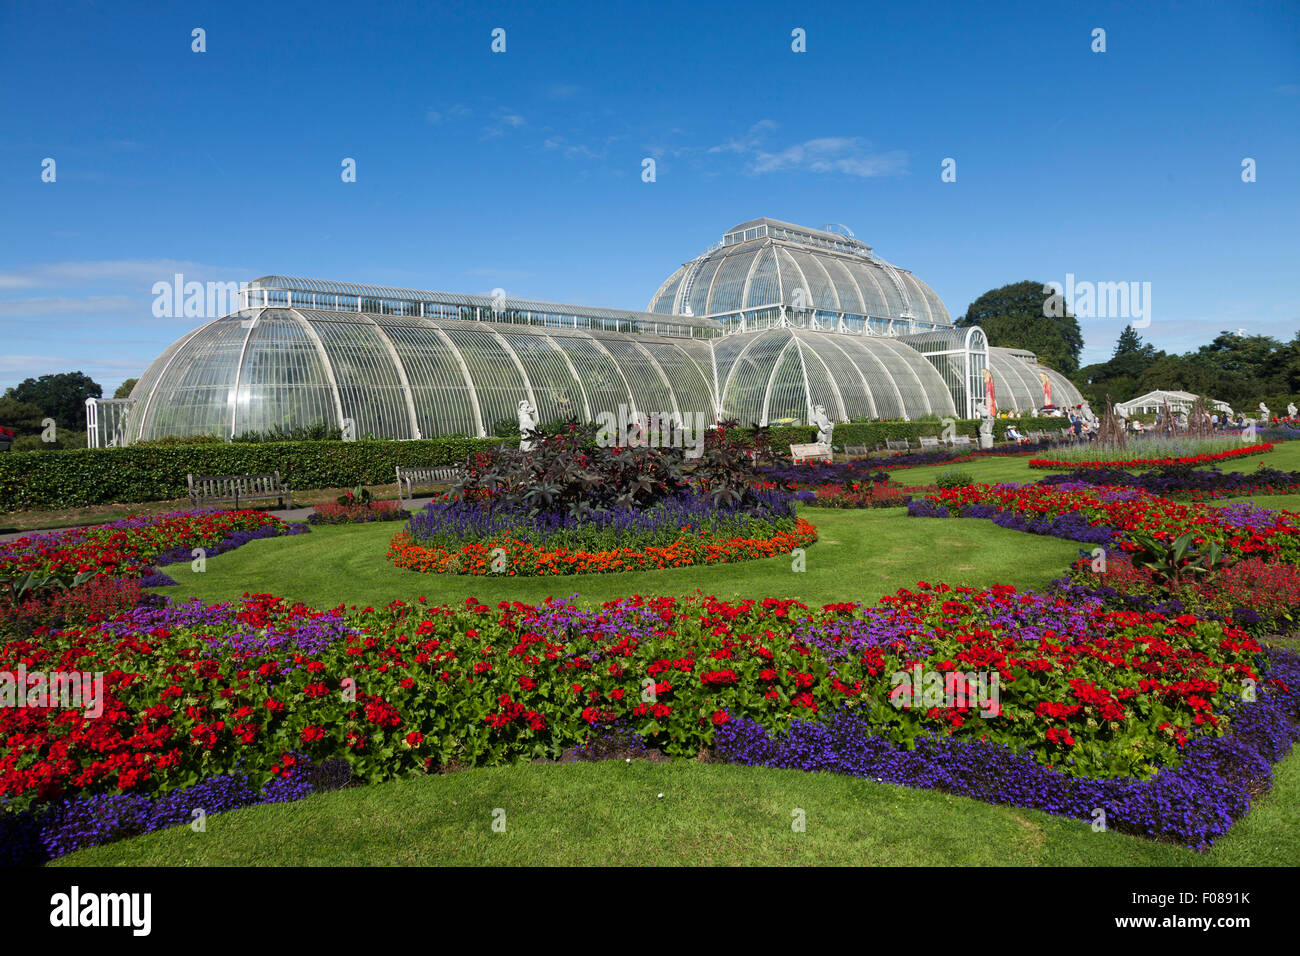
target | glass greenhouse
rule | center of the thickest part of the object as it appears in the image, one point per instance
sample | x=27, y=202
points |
x=769, y=323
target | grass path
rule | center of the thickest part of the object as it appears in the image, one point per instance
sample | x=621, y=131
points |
x=709, y=814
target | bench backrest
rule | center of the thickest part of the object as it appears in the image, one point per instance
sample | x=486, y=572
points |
x=228, y=486
x=961, y=439
x=407, y=478
x=900, y=444
x=929, y=441
x=860, y=450
x=800, y=453
x=439, y=473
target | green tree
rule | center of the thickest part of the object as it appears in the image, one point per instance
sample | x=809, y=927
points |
x=1016, y=316
x=124, y=390
x=62, y=397
x=23, y=417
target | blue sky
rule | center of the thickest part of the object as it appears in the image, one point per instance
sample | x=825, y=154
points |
x=522, y=170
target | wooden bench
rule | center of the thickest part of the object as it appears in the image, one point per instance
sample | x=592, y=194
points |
x=237, y=488
x=900, y=444
x=960, y=441
x=929, y=441
x=408, y=477
x=813, y=452
x=857, y=451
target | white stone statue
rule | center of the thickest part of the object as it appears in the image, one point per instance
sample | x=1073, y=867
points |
x=1265, y=416
x=825, y=427
x=527, y=423
x=986, y=425
x=1290, y=410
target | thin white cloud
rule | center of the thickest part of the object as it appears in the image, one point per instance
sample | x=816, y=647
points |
x=832, y=154
x=503, y=120
x=575, y=150
x=437, y=117
x=748, y=143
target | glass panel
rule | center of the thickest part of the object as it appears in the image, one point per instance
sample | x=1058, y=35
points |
x=870, y=281
x=692, y=389
x=652, y=397
x=786, y=398
x=438, y=389
x=497, y=381
x=605, y=387
x=196, y=393
x=819, y=283
x=555, y=390
x=749, y=374
x=284, y=383
x=730, y=282
x=663, y=300
x=370, y=389
x=699, y=294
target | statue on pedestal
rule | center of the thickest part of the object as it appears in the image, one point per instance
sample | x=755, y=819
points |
x=825, y=427
x=1265, y=416
x=1290, y=410
x=986, y=425
x=527, y=424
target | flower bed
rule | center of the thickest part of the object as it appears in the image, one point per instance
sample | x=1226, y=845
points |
x=92, y=601
x=1197, y=483
x=131, y=546
x=1193, y=803
x=1109, y=462
x=506, y=555
x=881, y=493
x=1113, y=515
x=1261, y=596
x=331, y=512
x=195, y=692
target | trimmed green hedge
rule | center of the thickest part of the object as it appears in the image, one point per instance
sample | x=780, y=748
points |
x=95, y=476
x=872, y=434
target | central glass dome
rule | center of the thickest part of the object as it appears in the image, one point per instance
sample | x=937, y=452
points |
x=766, y=263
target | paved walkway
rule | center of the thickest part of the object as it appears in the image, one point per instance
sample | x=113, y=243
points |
x=288, y=514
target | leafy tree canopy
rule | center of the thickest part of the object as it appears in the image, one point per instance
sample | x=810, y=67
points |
x=1241, y=370
x=61, y=397
x=1014, y=316
x=124, y=390
x=23, y=417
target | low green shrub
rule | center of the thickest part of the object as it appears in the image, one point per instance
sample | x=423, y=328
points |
x=954, y=478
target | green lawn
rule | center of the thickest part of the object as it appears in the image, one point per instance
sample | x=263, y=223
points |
x=709, y=814
x=860, y=556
